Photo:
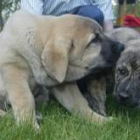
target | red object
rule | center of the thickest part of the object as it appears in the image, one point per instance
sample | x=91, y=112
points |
x=132, y=21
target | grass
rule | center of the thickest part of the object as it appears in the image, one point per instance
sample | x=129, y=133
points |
x=58, y=124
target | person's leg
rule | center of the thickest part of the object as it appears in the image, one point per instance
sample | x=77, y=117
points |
x=91, y=12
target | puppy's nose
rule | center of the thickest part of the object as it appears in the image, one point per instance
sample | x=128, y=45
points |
x=123, y=96
x=118, y=47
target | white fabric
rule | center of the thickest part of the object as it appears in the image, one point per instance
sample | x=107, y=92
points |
x=58, y=7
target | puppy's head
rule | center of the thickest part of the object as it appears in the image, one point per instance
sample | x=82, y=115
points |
x=127, y=75
x=77, y=46
x=123, y=34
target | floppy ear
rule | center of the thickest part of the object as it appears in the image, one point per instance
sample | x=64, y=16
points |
x=55, y=57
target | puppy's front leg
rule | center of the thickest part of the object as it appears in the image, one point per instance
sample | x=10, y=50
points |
x=19, y=94
x=71, y=98
x=36, y=67
x=97, y=89
x=38, y=70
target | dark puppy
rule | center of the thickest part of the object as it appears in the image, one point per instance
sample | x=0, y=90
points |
x=95, y=88
x=127, y=72
x=127, y=75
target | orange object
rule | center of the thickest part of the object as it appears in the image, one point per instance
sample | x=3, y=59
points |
x=122, y=10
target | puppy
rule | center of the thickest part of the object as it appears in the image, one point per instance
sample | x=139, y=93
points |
x=126, y=86
x=49, y=51
x=127, y=74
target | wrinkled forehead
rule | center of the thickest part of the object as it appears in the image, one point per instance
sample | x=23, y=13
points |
x=130, y=58
x=77, y=26
x=87, y=23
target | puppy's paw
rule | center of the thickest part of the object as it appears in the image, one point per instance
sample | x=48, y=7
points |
x=101, y=119
x=36, y=127
x=107, y=119
x=39, y=116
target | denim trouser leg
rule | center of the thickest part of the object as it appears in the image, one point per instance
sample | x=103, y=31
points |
x=91, y=12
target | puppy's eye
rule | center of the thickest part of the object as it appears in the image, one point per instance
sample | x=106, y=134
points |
x=122, y=71
x=96, y=38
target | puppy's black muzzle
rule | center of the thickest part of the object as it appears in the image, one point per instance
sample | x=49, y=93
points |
x=111, y=51
x=117, y=47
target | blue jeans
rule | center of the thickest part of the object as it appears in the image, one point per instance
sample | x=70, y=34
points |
x=91, y=12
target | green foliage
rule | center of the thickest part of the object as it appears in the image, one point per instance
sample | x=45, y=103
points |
x=6, y=8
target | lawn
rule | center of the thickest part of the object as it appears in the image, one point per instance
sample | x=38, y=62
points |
x=58, y=124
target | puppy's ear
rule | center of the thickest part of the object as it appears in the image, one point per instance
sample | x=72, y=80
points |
x=55, y=57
